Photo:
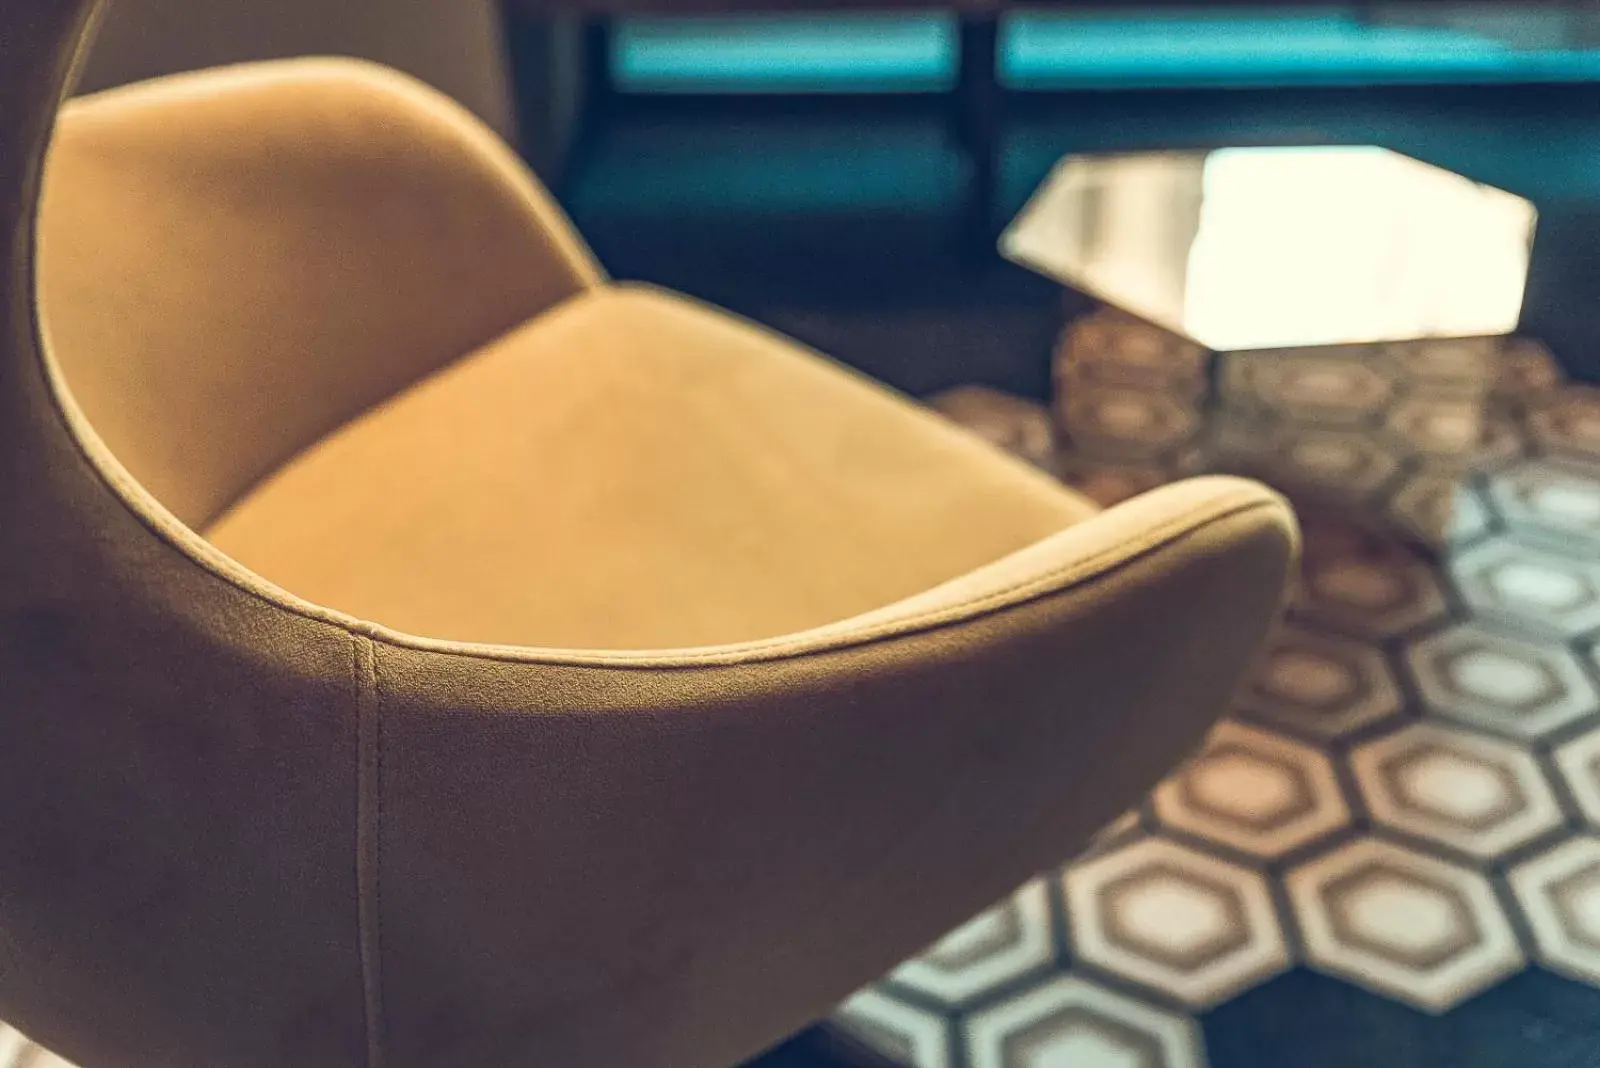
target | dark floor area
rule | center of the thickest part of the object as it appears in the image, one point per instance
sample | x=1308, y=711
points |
x=1534, y=1020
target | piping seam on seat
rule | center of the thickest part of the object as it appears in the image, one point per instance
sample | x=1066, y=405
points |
x=369, y=844
x=1059, y=580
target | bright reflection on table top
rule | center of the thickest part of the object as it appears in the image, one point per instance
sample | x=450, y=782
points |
x=1244, y=248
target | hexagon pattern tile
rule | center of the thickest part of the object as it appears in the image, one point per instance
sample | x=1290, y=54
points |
x=1255, y=792
x=1138, y=424
x=1357, y=585
x=1501, y=442
x=1438, y=429
x=1071, y=1023
x=1190, y=925
x=1337, y=384
x=1567, y=422
x=1559, y=893
x=1551, y=498
x=1439, y=366
x=1524, y=371
x=1435, y=507
x=1579, y=764
x=1425, y=724
x=1117, y=350
x=1467, y=792
x=1516, y=686
x=1347, y=466
x=998, y=946
x=911, y=1036
x=1321, y=685
x=1524, y=586
x=1403, y=923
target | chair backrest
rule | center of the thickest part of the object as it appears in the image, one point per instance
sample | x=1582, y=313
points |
x=233, y=263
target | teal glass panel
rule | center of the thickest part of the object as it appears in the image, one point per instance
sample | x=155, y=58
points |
x=1332, y=44
x=1328, y=45
x=786, y=54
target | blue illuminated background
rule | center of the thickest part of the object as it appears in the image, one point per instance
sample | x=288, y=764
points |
x=1318, y=45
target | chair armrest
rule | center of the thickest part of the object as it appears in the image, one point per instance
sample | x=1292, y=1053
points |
x=725, y=842
x=1076, y=557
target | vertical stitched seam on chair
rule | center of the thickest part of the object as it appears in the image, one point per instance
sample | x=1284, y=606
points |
x=369, y=844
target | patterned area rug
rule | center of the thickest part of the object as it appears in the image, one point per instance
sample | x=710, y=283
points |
x=1405, y=797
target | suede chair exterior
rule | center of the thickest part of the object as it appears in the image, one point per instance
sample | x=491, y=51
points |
x=417, y=650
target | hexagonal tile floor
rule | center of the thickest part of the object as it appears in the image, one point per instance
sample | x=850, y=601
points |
x=1403, y=813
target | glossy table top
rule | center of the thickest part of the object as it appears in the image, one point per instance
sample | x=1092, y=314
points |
x=1248, y=248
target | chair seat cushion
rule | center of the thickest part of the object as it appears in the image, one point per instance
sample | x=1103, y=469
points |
x=633, y=470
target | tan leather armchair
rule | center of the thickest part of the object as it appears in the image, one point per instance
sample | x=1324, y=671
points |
x=417, y=649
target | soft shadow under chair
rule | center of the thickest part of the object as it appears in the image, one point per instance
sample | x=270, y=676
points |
x=416, y=649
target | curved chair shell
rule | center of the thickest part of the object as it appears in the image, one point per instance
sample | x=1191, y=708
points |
x=241, y=828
